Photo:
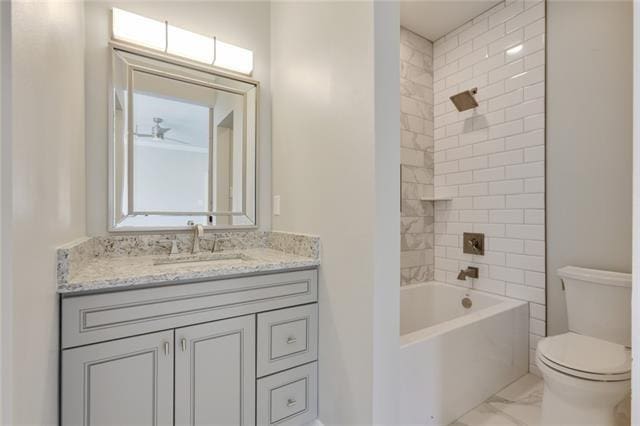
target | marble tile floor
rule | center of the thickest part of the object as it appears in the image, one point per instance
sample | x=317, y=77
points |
x=519, y=404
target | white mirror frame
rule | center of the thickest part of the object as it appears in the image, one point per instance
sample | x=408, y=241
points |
x=171, y=59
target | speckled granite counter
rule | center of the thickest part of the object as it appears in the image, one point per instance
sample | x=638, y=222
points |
x=104, y=263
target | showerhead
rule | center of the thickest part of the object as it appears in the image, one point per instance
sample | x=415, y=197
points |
x=465, y=100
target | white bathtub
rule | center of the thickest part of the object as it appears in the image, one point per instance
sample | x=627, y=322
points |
x=453, y=358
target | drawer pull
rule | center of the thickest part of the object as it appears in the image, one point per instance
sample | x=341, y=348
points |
x=166, y=348
x=291, y=340
x=183, y=342
x=291, y=402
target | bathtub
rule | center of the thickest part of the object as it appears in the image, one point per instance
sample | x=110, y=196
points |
x=453, y=358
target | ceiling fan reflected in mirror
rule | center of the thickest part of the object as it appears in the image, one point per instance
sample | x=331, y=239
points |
x=158, y=132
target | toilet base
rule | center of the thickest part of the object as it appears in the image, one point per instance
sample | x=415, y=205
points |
x=558, y=412
x=569, y=400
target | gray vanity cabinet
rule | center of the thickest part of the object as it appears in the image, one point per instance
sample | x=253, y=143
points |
x=186, y=354
x=215, y=373
x=122, y=382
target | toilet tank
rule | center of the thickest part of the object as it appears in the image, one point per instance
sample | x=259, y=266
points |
x=598, y=303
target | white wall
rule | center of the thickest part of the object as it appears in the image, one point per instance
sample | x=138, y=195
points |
x=335, y=165
x=245, y=24
x=589, y=142
x=5, y=120
x=490, y=160
x=48, y=190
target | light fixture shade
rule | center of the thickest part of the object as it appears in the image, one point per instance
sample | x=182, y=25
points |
x=127, y=26
x=190, y=45
x=233, y=58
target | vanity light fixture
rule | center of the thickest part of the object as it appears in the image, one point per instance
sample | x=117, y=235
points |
x=190, y=45
x=132, y=28
x=143, y=31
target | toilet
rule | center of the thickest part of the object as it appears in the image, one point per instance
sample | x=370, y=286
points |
x=587, y=371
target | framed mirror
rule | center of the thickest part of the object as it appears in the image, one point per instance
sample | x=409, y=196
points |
x=182, y=146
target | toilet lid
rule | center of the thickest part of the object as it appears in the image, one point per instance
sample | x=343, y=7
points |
x=586, y=354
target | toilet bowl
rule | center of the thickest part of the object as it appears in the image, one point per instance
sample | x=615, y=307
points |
x=587, y=371
x=584, y=379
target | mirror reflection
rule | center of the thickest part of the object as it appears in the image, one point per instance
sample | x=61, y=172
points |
x=183, y=146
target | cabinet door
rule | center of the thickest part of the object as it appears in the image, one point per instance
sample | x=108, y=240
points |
x=215, y=373
x=122, y=382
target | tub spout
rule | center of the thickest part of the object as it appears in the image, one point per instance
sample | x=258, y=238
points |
x=471, y=272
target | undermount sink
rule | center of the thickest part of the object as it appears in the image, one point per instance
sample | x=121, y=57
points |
x=202, y=258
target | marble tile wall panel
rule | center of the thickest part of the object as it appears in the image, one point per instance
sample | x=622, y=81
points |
x=416, y=114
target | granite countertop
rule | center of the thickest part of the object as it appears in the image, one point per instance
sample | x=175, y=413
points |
x=106, y=263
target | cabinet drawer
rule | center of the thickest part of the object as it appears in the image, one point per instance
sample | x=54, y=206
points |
x=99, y=317
x=288, y=398
x=287, y=338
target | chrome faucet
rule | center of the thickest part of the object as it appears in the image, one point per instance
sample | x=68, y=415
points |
x=198, y=232
x=471, y=272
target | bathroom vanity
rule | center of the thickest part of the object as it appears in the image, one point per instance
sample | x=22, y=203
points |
x=180, y=339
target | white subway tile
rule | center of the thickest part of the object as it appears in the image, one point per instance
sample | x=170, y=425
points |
x=445, y=143
x=458, y=52
x=537, y=327
x=474, y=31
x=506, y=42
x=525, y=18
x=491, y=91
x=529, y=232
x=534, y=122
x=535, y=91
x=489, y=147
x=537, y=311
x=473, y=163
x=535, y=248
x=534, y=185
x=506, y=129
x=473, y=189
x=459, y=178
x=530, y=263
x=503, y=15
x=459, y=77
x=525, y=293
x=446, y=240
x=461, y=152
x=506, y=187
x=506, y=274
x=491, y=257
x=474, y=136
x=525, y=140
x=489, y=285
x=488, y=64
x=506, y=100
x=534, y=60
x=490, y=202
x=474, y=216
x=488, y=120
x=446, y=167
x=507, y=245
x=488, y=175
x=488, y=37
x=447, y=264
x=506, y=158
x=525, y=109
x=525, y=170
x=527, y=78
x=534, y=279
x=534, y=216
x=534, y=29
x=534, y=154
x=490, y=229
x=506, y=71
x=473, y=58
x=506, y=216
x=525, y=201
x=442, y=46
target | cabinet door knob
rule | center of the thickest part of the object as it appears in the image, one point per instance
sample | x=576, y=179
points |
x=291, y=402
x=183, y=343
x=166, y=348
x=291, y=340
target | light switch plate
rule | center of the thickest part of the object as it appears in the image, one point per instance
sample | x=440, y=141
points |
x=276, y=205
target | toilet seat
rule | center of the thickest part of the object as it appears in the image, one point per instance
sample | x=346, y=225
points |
x=586, y=357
